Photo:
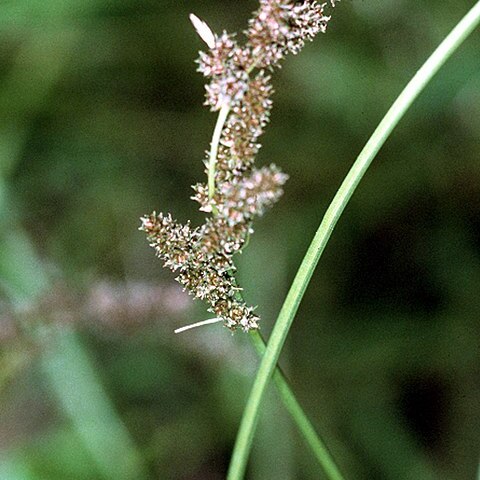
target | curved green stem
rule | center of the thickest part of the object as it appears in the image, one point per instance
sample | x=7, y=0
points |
x=409, y=94
x=286, y=394
x=294, y=408
x=217, y=133
x=212, y=160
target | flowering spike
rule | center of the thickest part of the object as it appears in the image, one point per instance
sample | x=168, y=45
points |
x=240, y=87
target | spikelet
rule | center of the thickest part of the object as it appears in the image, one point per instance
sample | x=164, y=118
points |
x=237, y=78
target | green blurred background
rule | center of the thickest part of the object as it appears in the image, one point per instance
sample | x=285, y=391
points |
x=101, y=122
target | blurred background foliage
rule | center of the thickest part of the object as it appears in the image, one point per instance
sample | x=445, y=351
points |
x=101, y=122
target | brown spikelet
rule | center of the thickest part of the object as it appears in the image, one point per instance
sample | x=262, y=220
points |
x=202, y=256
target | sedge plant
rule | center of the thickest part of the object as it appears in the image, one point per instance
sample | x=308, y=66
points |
x=236, y=192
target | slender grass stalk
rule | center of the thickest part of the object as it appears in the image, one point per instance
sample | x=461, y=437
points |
x=68, y=367
x=291, y=404
x=305, y=426
x=217, y=133
x=395, y=113
x=212, y=161
x=286, y=394
x=73, y=380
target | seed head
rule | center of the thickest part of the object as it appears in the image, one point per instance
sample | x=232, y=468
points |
x=202, y=257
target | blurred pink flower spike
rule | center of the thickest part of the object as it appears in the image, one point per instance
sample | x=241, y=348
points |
x=203, y=31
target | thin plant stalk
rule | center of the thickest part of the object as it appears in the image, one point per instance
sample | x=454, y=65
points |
x=280, y=331
x=287, y=396
x=69, y=369
x=72, y=377
x=295, y=410
x=217, y=134
x=212, y=161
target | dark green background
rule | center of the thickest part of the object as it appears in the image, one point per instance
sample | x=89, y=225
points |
x=101, y=122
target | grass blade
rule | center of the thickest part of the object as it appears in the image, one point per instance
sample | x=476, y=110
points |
x=279, y=334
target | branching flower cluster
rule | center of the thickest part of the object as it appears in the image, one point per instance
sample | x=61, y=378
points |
x=239, y=88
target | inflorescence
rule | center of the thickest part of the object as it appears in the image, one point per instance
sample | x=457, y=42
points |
x=237, y=192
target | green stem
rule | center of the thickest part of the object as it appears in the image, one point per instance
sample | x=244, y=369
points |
x=67, y=365
x=286, y=394
x=291, y=404
x=294, y=408
x=280, y=331
x=78, y=389
x=212, y=160
x=217, y=133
